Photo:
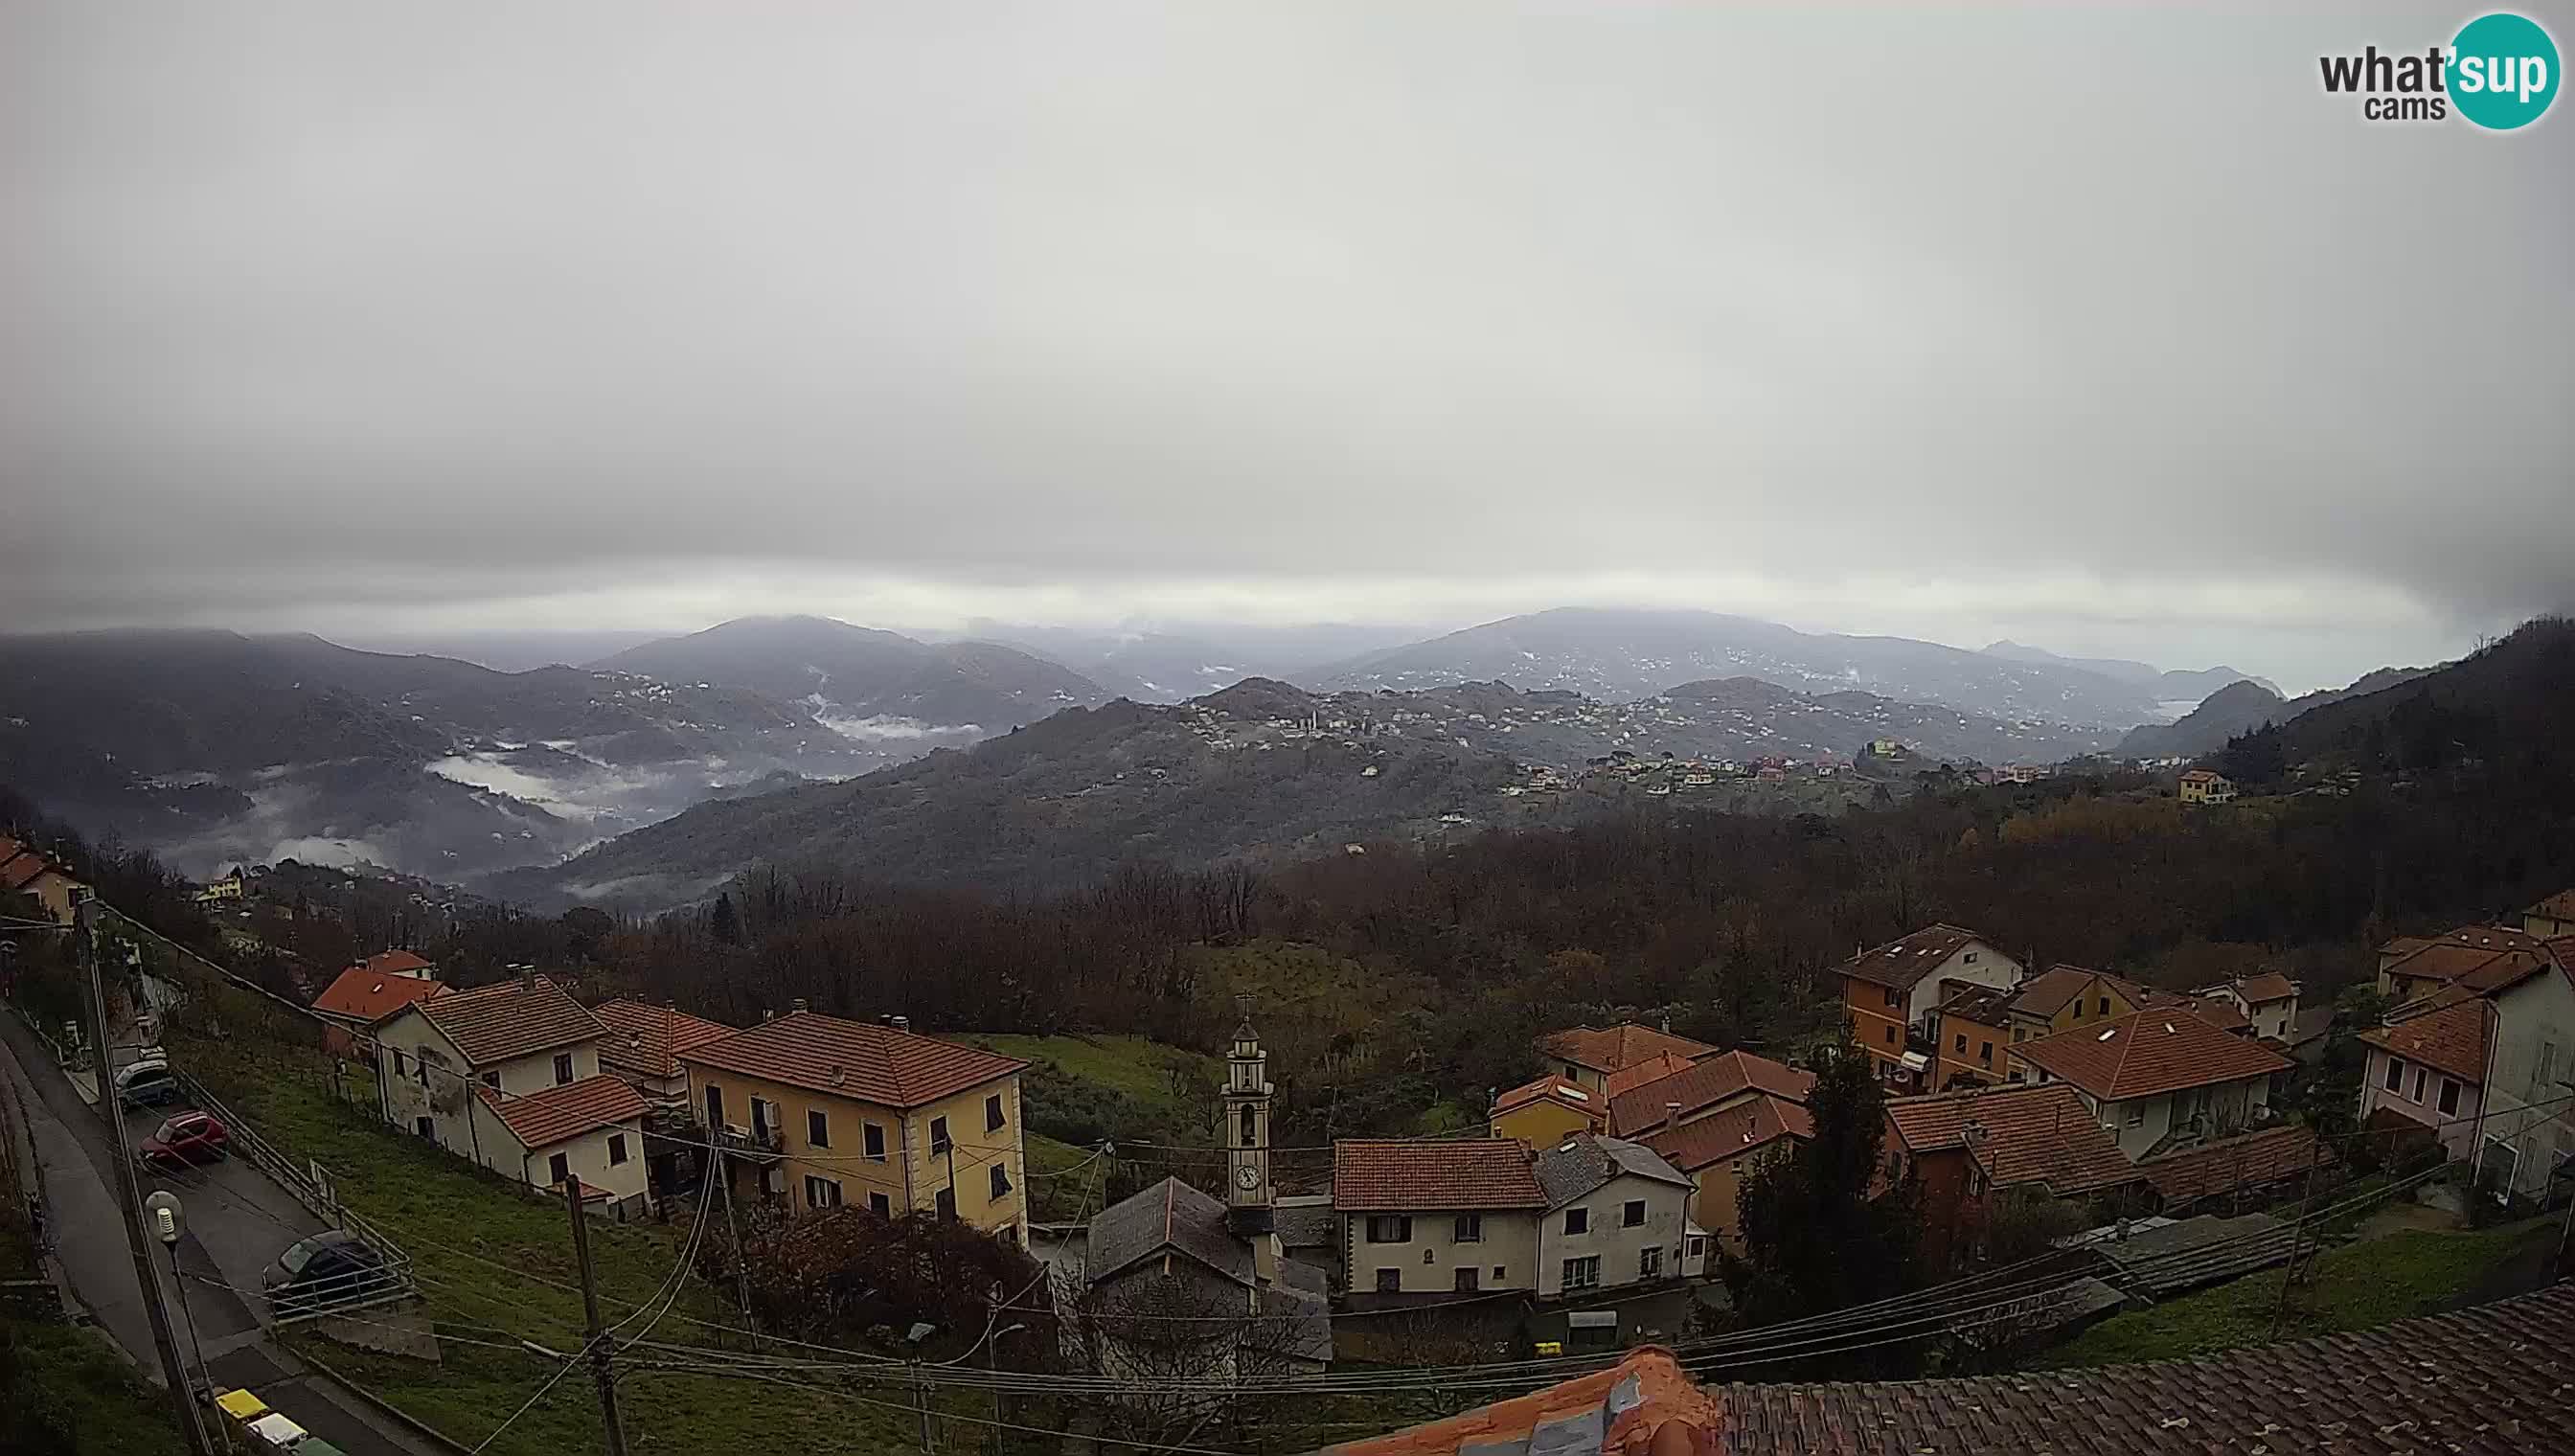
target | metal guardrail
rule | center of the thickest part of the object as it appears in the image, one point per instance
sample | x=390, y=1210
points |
x=314, y=1187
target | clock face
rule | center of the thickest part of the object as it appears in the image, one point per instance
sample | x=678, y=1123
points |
x=1247, y=1175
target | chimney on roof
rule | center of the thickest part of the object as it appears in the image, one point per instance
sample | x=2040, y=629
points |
x=527, y=975
x=903, y=1023
x=1671, y=1115
x=797, y=1004
x=766, y=1015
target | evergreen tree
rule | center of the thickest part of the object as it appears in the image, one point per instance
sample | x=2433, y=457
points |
x=722, y=923
x=1819, y=1232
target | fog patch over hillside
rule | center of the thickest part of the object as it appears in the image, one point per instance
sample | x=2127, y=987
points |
x=892, y=728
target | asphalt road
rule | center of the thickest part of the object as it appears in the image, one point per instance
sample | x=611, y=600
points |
x=238, y=1221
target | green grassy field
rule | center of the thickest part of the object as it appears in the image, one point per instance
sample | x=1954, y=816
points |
x=2353, y=1287
x=1129, y=1065
x=54, y=1378
x=496, y=1267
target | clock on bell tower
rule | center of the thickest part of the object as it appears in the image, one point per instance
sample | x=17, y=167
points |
x=1247, y=1128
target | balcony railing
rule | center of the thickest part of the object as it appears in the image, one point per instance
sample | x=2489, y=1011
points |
x=755, y=1141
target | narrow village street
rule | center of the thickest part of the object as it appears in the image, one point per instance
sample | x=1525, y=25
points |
x=238, y=1220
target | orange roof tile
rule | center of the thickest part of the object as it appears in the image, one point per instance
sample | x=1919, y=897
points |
x=1732, y=1132
x=1608, y=1048
x=2148, y=1052
x=646, y=1041
x=2046, y=994
x=510, y=1018
x=1901, y=963
x=393, y=962
x=2041, y=1135
x=2558, y=906
x=360, y=995
x=853, y=1059
x=1703, y=1083
x=2445, y=1034
x=1409, y=1176
x=1552, y=1089
x=1636, y=1075
x=1662, y=1396
x=2268, y=985
x=2235, y=1162
x=542, y=1119
x=2462, y=951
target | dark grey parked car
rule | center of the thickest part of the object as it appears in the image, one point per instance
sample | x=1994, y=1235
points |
x=329, y=1269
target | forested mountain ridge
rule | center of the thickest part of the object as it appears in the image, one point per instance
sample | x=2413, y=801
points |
x=1612, y=653
x=1267, y=770
x=2240, y=708
x=861, y=677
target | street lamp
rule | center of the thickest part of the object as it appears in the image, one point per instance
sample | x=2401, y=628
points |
x=166, y=1218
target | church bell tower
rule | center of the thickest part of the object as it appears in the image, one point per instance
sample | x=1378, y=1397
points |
x=1247, y=1128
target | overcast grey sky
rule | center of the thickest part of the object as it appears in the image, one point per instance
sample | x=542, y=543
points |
x=2109, y=333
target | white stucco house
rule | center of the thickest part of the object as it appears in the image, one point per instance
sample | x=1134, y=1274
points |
x=2486, y=1065
x=454, y=1068
x=1616, y=1214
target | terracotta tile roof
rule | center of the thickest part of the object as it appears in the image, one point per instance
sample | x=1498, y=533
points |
x=19, y=870
x=2046, y=994
x=2268, y=985
x=1620, y=1409
x=542, y=1119
x=1703, y=1083
x=510, y=1018
x=1984, y=1005
x=2041, y=1135
x=2403, y=945
x=1732, y=1133
x=1901, y=963
x=1636, y=1075
x=1412, y=1175
x=1552, y=1089
x=2464, y=951
x=2481, y=1382
x=853, y=1059
x=2203, y=775
x=360, y=995
x=2218, y=1012
x=2558, y=906
x=1608, y=1049
x=2245, y=1161
x=2148, y=1052
x=645, y=1040
x=2444, y=1032
x=393, y=962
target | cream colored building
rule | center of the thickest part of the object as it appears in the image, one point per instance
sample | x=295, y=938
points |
x=823, y=1113
x=1437, y=1217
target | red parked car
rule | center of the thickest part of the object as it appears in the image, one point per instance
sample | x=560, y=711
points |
x=185, y=1140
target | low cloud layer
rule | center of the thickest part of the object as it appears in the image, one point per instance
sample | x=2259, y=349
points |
x=2106, y=332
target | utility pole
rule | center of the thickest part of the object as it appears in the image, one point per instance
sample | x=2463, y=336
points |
x=129, y=1192
x=720, y=1168
x=600, y=1362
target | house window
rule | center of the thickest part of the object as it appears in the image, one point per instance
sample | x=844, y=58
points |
x=821, y=1192
x=492, y=1080
x=1470, y=1228
x=1985, y=1052
x=1894, y=999
x=1698, y=1247
x=1500, y=1273
x=1976, y=1183
x=398, y=1064
x=947, y=1203
x=2449, y=1097
x=993, y=1113
x=1389, y=1281
x=2395, y=1074
x=2136, y=1114
x=1389, y=1228
x=2104, y=1009
x=1583, y=1273
x=1969, y=957
x=1632, y=1214
x=880, y=1205
x=2547, y=1078
x=872, y=1138
x=616, y=1148
x=818, y=1128
x=2016, y=1074
x=1466, y=1280
x=1962, y=1043
x=938, y=1134
x=1578, y=1221
x=563, y=1069
x=715, y=1109
x=1649, y=1262
x=558, y=1169
x=1000, y=1185
x=1572, y=1074
x=1890, y=1037
x=2420, y=1078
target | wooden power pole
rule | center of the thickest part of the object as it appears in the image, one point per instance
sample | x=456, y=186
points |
x=129, y=1190
x=601, y=1365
